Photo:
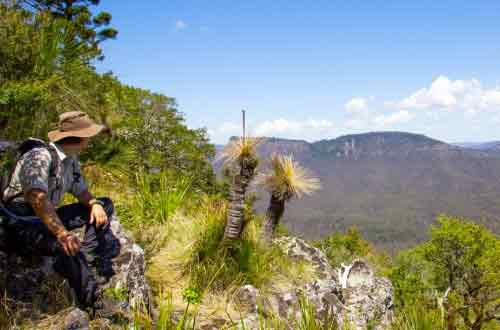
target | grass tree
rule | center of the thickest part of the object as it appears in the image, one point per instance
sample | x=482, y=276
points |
x=241, y=154
x=285, y=180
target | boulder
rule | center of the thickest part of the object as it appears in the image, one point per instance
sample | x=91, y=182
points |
x=353, y=296
x=66, y=319
x=297, y=248
x=35, y=291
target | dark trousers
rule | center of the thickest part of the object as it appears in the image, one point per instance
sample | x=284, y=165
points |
x=35, y=238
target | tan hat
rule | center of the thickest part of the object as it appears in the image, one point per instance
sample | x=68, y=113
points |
x=76, y=124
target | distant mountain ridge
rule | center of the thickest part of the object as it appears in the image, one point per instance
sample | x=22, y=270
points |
x=389, y=184
x=493, y=145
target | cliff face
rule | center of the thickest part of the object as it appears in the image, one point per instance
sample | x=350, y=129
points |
x=378, y=145
x=389, y=184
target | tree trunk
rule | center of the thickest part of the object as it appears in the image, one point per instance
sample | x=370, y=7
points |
x=273, y=216
x=236, y=210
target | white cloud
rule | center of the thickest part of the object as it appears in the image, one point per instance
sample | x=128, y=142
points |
x=282, y=126
x=491, y=97
x=180, y=25
x=310, y=130
x=432, y=114
x=222, y=133
x=443, y=93
x=356, y=104
x=400, y=117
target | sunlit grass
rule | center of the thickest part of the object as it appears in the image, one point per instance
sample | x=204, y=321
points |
x=194, y=256
x=418, y=318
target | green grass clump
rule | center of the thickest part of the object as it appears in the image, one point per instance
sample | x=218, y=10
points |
x=309, y=320
x=418, y=318
x=218, y=265
x=158, y=197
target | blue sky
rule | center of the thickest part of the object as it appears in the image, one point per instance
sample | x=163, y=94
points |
x=316, y=69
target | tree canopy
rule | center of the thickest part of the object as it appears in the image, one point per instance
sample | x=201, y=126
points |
x=458, y=268
x=46, y=70
x=88, y=29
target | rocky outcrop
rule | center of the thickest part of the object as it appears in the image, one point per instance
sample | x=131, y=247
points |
x=35, y=292
x=353, y=297
x=67, y=319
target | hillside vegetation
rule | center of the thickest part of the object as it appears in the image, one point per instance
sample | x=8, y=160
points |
x=159, y=174
x=390, y=185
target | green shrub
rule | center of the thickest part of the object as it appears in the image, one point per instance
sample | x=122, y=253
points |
x=412, y=278
x=344, y=248
x=458, y=267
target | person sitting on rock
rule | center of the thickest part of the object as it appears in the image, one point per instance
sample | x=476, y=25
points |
x=38, y=183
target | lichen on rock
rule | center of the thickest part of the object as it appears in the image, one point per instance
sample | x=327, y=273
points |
x=361, y=301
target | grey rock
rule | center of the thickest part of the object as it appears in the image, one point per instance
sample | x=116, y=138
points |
x=76, y=319
x=66, y=319
x=35, y=289
x=352, y=296
x=4, y=145
x=298, y=249
x=213, y=324
x=246, y=299
x=129, y=267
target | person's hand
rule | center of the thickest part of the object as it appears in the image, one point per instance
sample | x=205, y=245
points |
x=69, y=243
x=98, y=215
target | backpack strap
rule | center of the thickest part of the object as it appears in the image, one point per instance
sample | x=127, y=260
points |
x=25, y=147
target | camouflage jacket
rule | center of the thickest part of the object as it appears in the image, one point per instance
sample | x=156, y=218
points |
x=33, y=171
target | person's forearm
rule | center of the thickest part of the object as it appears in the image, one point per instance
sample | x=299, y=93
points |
x=45, y=211
x=86, y=198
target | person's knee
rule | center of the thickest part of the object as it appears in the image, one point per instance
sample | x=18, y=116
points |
x=108, y=205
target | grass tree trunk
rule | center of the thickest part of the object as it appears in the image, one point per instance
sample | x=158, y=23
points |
x=273, y=216
x=236, y=212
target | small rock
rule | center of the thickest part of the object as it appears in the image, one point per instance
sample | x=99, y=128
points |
x=76, y=320
x=246, y=299
x=360, y=274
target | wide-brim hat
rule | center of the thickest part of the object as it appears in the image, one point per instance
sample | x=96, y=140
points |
x=75, y=124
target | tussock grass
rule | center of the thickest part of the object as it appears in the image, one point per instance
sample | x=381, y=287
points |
x=418, y=318
x=309, y=321
x=195, y=256
x=9, y=317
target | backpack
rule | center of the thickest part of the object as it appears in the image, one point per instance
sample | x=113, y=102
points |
x=23, y=148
